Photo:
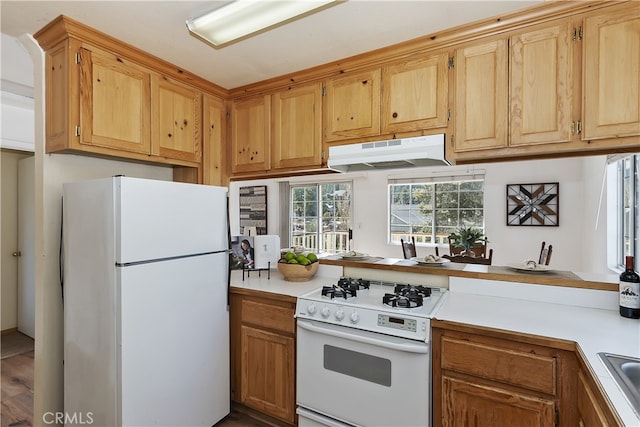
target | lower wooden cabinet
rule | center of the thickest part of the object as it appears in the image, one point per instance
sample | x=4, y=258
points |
x=593, y=408
x=470, y=403
x=263, y=353
x=487, y=378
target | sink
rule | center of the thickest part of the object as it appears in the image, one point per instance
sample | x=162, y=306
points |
x=626, y=373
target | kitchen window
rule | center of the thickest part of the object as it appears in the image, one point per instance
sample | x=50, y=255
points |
x=430, y=210
x=626, y=176
x=320, y=216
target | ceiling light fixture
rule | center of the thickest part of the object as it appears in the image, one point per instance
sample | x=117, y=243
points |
x=243, y=18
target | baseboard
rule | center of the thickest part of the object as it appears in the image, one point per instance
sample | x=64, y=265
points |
x=238, y=407
x=9, y=331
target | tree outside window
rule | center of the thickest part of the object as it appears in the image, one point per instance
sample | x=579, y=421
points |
x=430, y=212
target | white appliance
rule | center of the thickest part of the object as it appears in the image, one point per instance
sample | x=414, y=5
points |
x=426, y=150
x=145, y=288
x=363, y=354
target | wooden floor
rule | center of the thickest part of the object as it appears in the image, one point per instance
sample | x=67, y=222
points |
x=237, y=419
x=17, y=390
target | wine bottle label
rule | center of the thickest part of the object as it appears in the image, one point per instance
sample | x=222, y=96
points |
x=629, y=294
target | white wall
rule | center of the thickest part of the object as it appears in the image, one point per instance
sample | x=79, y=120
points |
x=16, y=75
x=577, y=245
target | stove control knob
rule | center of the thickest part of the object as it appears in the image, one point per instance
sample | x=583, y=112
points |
x=311, y=309
x=355, y=317
x=325, y=312
x=339, y=314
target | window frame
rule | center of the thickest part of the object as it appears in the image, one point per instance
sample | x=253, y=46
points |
x=431, y=181
x=616, y=240
x=319, y=231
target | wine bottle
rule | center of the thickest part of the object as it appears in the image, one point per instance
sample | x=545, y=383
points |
x=630, y=291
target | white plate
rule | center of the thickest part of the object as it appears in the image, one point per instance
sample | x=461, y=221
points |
x=285, y=250
x=358, y=257
x=422, y=261
x=537, y=269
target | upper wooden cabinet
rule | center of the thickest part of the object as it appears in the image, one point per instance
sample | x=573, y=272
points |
x=176, y=120
x=214, y=117
x=103, y=103
x=105, y=80
x=352, y=106
x=408, y=95
x=250, y=134
x=107, y=98
x=541, y=86
x=481, y=96
x=573, y=85
x=415, y=94
x=612, y=74
x=297, y=127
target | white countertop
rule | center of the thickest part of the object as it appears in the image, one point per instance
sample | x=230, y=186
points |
x=588, y=317
x=259, y=281
x=593, y=329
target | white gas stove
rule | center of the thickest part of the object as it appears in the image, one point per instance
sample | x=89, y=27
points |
x=371, y=341
x=396, y=309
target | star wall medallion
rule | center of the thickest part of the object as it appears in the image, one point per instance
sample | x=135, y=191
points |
x=533, y=204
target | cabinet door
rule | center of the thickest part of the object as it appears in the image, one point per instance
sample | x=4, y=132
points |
x=61, y=85
x=611, y=69
x=589, y=410
x=176, y=123
x=268, y=372
x=466, y=403
x=297, y=127
x=214, y=114
x=250, y=133
x=414, y=95
x=353, y=106
x=481, y=96
x=114, y=103
x=541, y=77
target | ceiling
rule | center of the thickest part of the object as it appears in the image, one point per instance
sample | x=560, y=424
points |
x=350, y=28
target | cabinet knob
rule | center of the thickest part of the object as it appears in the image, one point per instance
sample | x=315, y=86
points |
x=394, y=115
x=16, y=254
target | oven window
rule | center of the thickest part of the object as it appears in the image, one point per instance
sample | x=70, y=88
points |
x=359, y=365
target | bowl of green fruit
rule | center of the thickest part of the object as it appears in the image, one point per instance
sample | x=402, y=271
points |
x=298, y=267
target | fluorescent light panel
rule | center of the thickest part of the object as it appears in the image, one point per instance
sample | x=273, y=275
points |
x=242, y=18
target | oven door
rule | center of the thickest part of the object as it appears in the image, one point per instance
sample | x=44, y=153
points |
x=362, y=378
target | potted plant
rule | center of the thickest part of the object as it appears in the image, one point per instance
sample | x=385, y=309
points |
x=466, y=238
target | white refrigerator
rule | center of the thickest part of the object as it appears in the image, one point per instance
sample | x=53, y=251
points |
x=145, y=296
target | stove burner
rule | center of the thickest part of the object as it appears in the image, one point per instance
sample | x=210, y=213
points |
x=346, y=288
x=407, y=296
x=409, y=290
x=334, y=291
x=349, y=283
x=402, y=301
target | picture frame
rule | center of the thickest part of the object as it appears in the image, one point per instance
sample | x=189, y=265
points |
x=535, y=204
x=253, y=210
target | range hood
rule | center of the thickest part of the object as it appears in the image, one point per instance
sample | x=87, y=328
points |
x=389, y=154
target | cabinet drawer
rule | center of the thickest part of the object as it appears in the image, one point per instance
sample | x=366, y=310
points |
x=268, y=316
x=520, y=368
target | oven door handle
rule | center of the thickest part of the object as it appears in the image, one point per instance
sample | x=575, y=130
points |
x=408, y=346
